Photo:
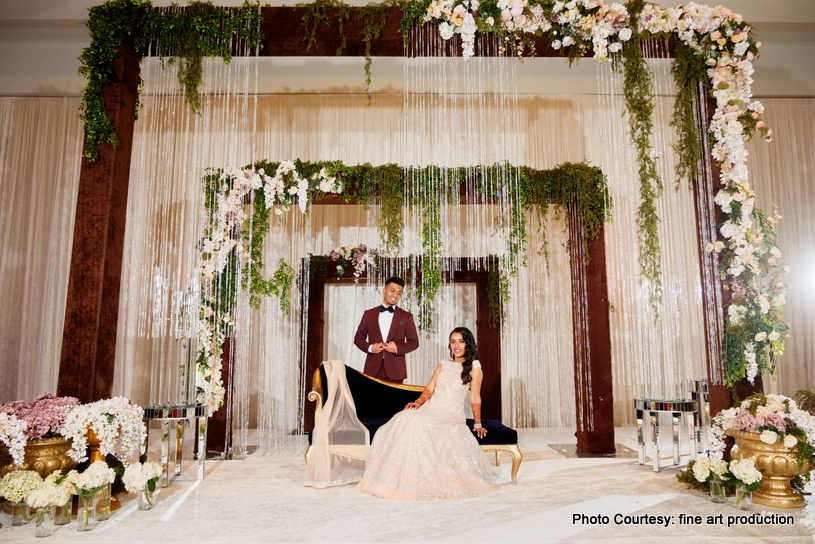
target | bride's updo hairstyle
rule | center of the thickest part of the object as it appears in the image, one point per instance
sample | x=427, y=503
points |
x=470, y=353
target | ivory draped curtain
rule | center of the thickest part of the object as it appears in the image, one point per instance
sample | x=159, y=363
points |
x=40, y=145
x=40, y=151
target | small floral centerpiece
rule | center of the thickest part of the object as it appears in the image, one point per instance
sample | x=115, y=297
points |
x=16, y=486
x=53, y=493
x=741, y=473
x=358, y=257
x=776, y=418
x=714, y=473
x=22, y=421
x=86, y=486
x=142, y=479
x=747, y=478
x=110, y=419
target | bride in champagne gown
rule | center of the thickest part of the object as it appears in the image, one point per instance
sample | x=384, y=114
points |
x=427, y=451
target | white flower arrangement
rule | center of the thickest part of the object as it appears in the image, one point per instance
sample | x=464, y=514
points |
x=95, y=478
x=704, y=469
x=741, y=471
x=745, y=471
x=56, y=490
x=580, y=22
x=12, y=434
x=228, y=233
x=748, y=255
x=17, y=485
x=138, y=477
x=111, y=419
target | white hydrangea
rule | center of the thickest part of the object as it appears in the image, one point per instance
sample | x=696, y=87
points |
x=745, y=471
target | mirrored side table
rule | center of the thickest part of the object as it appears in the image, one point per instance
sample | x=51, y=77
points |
x=178, y=415
x=648, y=411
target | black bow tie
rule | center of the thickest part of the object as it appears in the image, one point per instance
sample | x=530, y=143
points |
x=386, y=309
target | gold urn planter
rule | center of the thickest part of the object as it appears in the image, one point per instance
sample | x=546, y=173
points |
x=44, y=455
x=778, y=464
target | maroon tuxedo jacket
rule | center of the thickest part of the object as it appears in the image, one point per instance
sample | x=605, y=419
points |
x=388, y=366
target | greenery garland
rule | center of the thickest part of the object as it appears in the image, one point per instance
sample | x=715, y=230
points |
x=374, y=17
x=688, y=74
x=639, y=99
x=538, y=189
x=200, y=30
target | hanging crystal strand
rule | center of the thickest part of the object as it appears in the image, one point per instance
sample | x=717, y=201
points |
x=622, y=270
x=712, y=303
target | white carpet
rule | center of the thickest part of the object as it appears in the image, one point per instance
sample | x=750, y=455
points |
x=262, y=499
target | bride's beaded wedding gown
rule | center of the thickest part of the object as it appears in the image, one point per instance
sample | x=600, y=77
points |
x=429, y=452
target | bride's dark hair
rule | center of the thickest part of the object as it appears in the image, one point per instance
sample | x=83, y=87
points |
x=470, y=352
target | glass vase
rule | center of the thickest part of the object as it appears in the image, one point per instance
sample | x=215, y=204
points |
x=717, y=491
x=103, y=499
x=147, y=499
x=19, y=514
x=743, y=498
x=62, y=514
x=86, y=515
x=44, y=522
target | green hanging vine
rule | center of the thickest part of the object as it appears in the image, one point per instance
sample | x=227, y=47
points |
x=639, y=99
x=200, y=30
x=374, y=17
x=111, y=24
x=688, y=73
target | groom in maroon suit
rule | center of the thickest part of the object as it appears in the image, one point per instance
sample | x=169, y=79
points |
x=387, y=333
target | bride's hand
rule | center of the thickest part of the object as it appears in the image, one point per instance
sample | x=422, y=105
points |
x=412, y=405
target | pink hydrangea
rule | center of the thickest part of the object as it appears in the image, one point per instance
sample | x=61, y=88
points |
x=44, y=416
x=746, y=422
x=778, y=421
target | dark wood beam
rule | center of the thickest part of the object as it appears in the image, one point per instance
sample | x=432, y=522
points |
x=594, y=394
x=92, y=307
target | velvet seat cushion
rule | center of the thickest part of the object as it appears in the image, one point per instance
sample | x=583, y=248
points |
x=497, y=433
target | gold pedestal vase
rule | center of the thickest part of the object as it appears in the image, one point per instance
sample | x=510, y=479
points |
x=44, y=456
x=778, y=464
x=106, y=502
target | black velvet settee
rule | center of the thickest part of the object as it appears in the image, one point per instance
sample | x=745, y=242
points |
x=377, y=401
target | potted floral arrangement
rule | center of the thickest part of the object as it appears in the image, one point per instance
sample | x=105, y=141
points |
x=86, y=485
x=142, y=479
x=33, y=431
x=16, y=486
x=777, y=436
x=101, y=424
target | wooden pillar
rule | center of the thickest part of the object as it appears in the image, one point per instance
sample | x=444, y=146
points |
x=92, y=309
x=594, y=399
x=714, y=296
x=314, y=332
x=489, y=349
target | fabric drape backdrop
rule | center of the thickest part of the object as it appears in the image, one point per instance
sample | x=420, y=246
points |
x=40, y=152
x=40, y=143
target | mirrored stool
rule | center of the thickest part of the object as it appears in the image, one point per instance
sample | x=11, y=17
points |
x=648, y=411
x=179, y=415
